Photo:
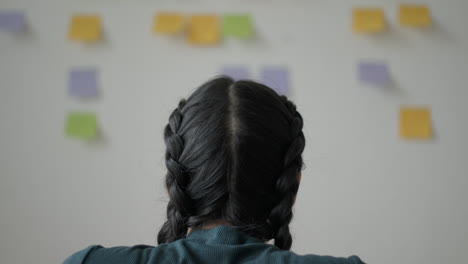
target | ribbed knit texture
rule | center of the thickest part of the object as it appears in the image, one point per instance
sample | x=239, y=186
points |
x=222, y=244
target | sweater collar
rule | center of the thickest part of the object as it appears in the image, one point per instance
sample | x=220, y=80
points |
x=230, y=235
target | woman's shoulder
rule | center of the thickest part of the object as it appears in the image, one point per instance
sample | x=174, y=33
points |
x=291, y=257
x=80, y=256
x=97, y=254
x=333, y=260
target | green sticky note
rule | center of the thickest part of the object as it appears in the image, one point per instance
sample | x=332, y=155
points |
x=237, y=25
x=81, y=125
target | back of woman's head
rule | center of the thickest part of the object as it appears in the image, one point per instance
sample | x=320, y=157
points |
x=233, y=154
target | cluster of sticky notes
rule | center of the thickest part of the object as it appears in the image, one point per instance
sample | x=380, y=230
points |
x=85, y=28
x=81, y=125
x=373, y=73
x=203, y=29
x=12, y=21
x=82, y=82
x=372, y=20
x=275, y=77
x=415, y=123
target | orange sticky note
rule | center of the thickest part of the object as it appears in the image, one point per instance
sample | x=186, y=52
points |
x=168, y=23
x=414, y=15
x=203, y=30
x=368, y=20
x=86, y=28
x=415, y=123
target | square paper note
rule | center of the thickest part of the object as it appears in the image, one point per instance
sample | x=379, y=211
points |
x=368, y=20
x=203, y=30
x=276, y=78
x=237, y=25
x=81, y=125
x=83, y=83
x=374, y=72
x=415, y=123
x=236, y=72
x=414, y=15
x=12, y=21
x=168, y=23
x=86, y=28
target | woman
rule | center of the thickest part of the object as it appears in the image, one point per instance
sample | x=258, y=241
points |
x=234, y=160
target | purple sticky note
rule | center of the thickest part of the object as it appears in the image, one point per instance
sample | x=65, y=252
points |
x=276, y=78
x=236, y=72
x=83, y=82
x=374, y=72
x=12, y=21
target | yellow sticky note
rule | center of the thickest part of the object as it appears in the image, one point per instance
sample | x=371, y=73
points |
x=203, y=30
x=415, y=123
x=414, y=15
x=168, y=23
x=86, y=28
x=81, y=125
x=368, y=20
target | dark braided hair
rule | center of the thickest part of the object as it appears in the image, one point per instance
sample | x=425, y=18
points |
x=178, y=208
x=234, y=153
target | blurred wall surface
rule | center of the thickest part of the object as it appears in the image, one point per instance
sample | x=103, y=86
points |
x=364, y=190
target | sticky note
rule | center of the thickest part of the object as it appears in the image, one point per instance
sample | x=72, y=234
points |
x=12, y=21
x=203, y=30
x=374, y=72
x=236, y=72
x=168, y=23
x=414, y=15
x=276, y=78
x=81, y=125
x=368, y=20
x=86, y=28
x=237, y=25
x=82, y=82
x=415, y=123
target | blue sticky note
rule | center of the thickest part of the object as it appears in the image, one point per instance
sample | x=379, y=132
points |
x=374, y=72
x=236, y=72
x=276, y=78
x=83, y=83
x=13, y=21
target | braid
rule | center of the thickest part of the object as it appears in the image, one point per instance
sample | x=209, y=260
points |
x=287, y=184
x=179, y=206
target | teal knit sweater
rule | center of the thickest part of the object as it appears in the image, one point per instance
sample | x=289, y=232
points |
x=222, y=244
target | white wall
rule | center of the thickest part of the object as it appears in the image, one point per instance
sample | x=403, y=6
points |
x=364, y=190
